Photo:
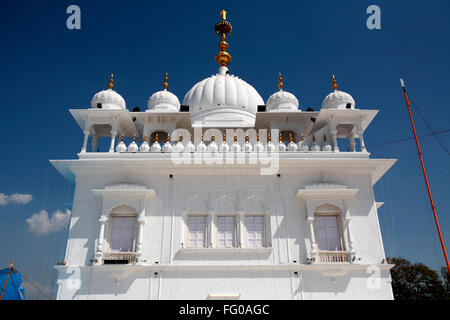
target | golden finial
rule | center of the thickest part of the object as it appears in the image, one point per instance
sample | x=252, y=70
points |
x=290, y=137
x=110, y=84
x=324, y=137
x=224, y=138
x=280, y=82
x=223, y=15
x=334, y=86
x=165, y=85
x=281, y=138
x=257, y=137
x=168, y=138
x=134, y=137
x=156, y=137
x=269, y=138
x=179, y=138
x=235, y=138
x=202, y=138
x=121, y=138
x=145, y=139
x=314, y=137
x=213, y=138
x=246, y=138
x=223, y=28
x=302, y=137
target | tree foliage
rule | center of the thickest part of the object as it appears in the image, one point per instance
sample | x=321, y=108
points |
x=417, y=281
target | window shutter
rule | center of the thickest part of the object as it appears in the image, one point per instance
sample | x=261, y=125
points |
x=197, y=231
x=226, y=228
x=327, y=233
x=255, y=231
x=122, y=233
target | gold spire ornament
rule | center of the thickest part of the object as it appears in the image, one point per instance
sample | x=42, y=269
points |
x=165, y=85
x=110, y=84
x=213, y=138
x=121, y=138
x=290, y=137
x=324, y=137
x=179, y=138
x=223, y=27
x=134, y=137
x=269, y=138
x=168, y=138
x=224, y=138
x=280, y=82
x=302, y=137
x=145, y=139
x=334, y=86
x=156, y=138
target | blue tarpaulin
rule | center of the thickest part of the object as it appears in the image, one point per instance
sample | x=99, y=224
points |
x=13, y=289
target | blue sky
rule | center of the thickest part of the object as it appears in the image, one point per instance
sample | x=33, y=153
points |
x=47, y=69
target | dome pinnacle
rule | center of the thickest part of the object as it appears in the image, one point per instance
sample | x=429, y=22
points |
x=165, y=85
x=110, y=84
x=334, y=86
x=223, y=28
x=280, y=82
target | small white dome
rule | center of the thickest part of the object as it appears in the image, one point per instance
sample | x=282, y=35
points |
x=338, y=100
x=282, y=101
x=163, y=101
x=223, y=100
x=109, y=100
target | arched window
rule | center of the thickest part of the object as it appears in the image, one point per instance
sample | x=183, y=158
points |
x=122, y=236
x=327, y=229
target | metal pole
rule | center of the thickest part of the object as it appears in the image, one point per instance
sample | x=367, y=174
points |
x=6, y=280
x=425, y=176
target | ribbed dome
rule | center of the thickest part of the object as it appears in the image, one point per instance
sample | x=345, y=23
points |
x=223, y=100
x=163, y=101
x=338, y=100
x=282, y=101
x=109, y=100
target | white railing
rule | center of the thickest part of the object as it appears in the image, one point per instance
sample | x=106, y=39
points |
x=128, y=256
x=333, y=256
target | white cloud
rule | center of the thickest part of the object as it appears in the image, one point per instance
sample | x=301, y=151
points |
x=16, y=198
x=20, y=198
x=41, y=224
x=3, y=199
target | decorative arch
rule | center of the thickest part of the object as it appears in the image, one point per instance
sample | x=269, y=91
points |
x=225, y=204
x=197, y=204
x=254, y=204
x=328, y=207
x=123, y=208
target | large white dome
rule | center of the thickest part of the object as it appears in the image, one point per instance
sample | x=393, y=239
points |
x=223, y=100
x=109, y=100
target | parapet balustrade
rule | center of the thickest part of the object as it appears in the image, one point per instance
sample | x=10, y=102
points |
x=212, y=146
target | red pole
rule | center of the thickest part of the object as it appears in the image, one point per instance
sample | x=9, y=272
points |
x=6, y=280
x=425, y=176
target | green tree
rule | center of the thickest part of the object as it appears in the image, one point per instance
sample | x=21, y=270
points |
x=415, y=281
x=446, y=278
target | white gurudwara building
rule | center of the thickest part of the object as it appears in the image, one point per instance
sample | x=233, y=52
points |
x=224, y=197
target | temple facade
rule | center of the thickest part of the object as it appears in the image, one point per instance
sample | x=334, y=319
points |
x=224, y=196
